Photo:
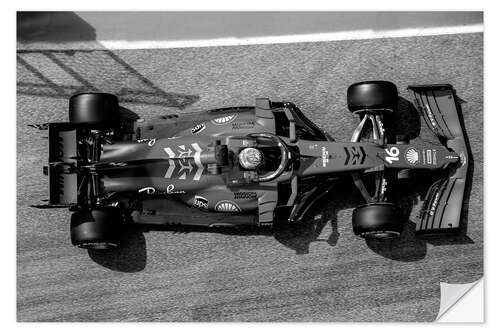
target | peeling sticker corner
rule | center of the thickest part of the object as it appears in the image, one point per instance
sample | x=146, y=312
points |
x=451, y=295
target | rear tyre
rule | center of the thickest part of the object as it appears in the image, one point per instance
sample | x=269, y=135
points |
x=377, y=221
x=372, y=96
x=99, y=229
x=95, y=110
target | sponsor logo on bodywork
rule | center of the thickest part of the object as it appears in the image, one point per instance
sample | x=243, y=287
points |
x=170, y=190
x=355, y=155
x=150, y=142
x=224, y=119
x=118, y=164
x=180, y=162
x=245, y=195
x=430, y=115
x=148, y=190
x=429, y=156
x=200, y=202
x=384, y=186
x=380, y=126
x=412, y=156
x=325, y=157
x=227, y=206
x=434, y=204
x=198, y=128
x=243, y=125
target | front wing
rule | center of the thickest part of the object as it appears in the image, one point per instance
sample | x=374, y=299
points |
x=442, y=207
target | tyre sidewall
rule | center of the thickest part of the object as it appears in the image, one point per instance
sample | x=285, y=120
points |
x=99, y=226
x=377, y=217
x=96, y=110
x=372, y=96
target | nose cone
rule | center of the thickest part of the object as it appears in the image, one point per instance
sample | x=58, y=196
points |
x=250, y=158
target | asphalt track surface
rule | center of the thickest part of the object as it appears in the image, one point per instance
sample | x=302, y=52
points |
x=320, y=272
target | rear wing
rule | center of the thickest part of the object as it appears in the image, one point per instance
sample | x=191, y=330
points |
x=442, y=207
x=63, y=179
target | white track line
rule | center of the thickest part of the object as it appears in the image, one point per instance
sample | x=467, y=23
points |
x=317, y=37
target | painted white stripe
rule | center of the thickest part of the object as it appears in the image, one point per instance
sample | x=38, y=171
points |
x=197, y=160
x=318, y=37
x=169, y=152
x=170, y=170
x=171, y=163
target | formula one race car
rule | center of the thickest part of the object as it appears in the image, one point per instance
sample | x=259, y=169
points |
x=254, y=165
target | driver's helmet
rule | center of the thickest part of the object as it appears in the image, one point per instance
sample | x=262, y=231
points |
x=250, y=158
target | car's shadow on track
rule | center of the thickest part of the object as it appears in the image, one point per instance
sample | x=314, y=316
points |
x=130, y=257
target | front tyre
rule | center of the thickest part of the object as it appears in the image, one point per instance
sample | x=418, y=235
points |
x=372, y=97
x=98, y=229
x=379, y=220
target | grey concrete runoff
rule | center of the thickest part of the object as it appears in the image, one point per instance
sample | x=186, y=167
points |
x=164, y=26
x=322, y=273
x=201, y=25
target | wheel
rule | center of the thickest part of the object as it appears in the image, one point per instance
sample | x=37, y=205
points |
x=377, y=220
x=372, y=96
x=98, y=229
x=97, y=110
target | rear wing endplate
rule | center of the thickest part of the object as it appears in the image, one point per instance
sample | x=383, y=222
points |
x=63, y=180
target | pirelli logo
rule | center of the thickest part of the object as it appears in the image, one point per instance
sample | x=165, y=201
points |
x=355, y=155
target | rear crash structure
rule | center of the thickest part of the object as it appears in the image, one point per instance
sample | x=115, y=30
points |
x=253, y=165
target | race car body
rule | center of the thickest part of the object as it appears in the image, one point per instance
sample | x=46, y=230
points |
x=248, y=165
